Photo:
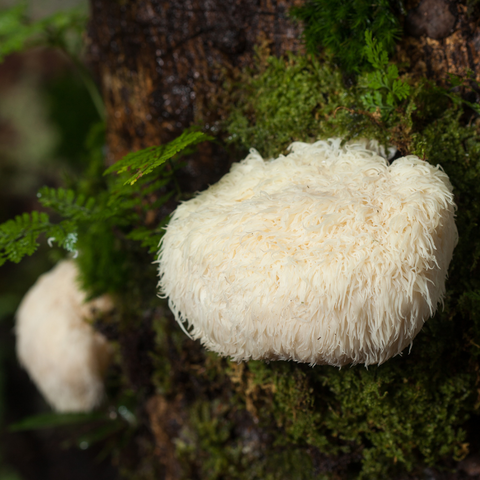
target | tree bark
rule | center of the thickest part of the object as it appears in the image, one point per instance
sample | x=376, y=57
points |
x=161, y=65
x=441, y=37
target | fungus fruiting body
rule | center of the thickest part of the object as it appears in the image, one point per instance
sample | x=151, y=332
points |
x=62, y=353
x=329, y=255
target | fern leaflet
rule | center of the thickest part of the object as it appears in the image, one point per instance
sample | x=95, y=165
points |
x=145, y=161
x=19, y=236
x=387, y=90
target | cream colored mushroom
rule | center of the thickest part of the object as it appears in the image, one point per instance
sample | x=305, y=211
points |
x=329, y=255
x=62, y=353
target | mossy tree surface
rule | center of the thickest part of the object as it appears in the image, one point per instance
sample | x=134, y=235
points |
x=286, y=420
x=412, y=410
x=190, y=414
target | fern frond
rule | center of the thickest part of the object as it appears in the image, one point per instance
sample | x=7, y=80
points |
x=385, y=89
x=119, y=205
x=374, y=51
x=145, y=161
x=18, y=237
x=67, y=203
x=78, y=208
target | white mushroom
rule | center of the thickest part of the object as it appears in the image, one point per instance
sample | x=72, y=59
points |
x=328, y=255
x=62, y=353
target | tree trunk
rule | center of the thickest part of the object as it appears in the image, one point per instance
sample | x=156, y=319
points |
x=162, y=64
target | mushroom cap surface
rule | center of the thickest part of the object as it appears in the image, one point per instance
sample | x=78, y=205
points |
x=329, y=255
x=65, y=357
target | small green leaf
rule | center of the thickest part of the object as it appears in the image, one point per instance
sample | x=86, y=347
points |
x=18, y=236
x=390, y=99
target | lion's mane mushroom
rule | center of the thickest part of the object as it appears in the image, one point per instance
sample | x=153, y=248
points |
x=61, y=352
x=328, y=255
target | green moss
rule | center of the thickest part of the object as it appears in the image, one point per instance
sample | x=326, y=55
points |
x=283, y=102
x=411, y=411
x=399, y=414
x=219, y=442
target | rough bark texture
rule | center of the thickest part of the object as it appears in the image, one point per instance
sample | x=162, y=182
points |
x=442, y=37
x=161, y=65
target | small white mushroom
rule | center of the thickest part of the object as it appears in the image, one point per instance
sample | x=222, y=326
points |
x=328, y=255
x=62, y=353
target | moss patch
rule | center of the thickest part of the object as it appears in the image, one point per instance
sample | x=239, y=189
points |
x=284, y=100
x=412, y=410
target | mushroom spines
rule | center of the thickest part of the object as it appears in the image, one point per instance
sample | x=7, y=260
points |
x=326, y=255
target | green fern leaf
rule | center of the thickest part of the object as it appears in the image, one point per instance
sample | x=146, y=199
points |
x=76, y=208
x=66, y=203
x=386, y=89
x=116, y=206
x=145, y=161
x=18, y=237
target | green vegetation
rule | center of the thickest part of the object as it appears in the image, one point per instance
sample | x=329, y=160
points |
x=147, y=160
x=412, y=410
x=339, y=27
x=384, y=89
x=283, y=101
x=115, y=204
x=17, y=32
x=282, y=420
x=213, y=446
x=303, y=99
